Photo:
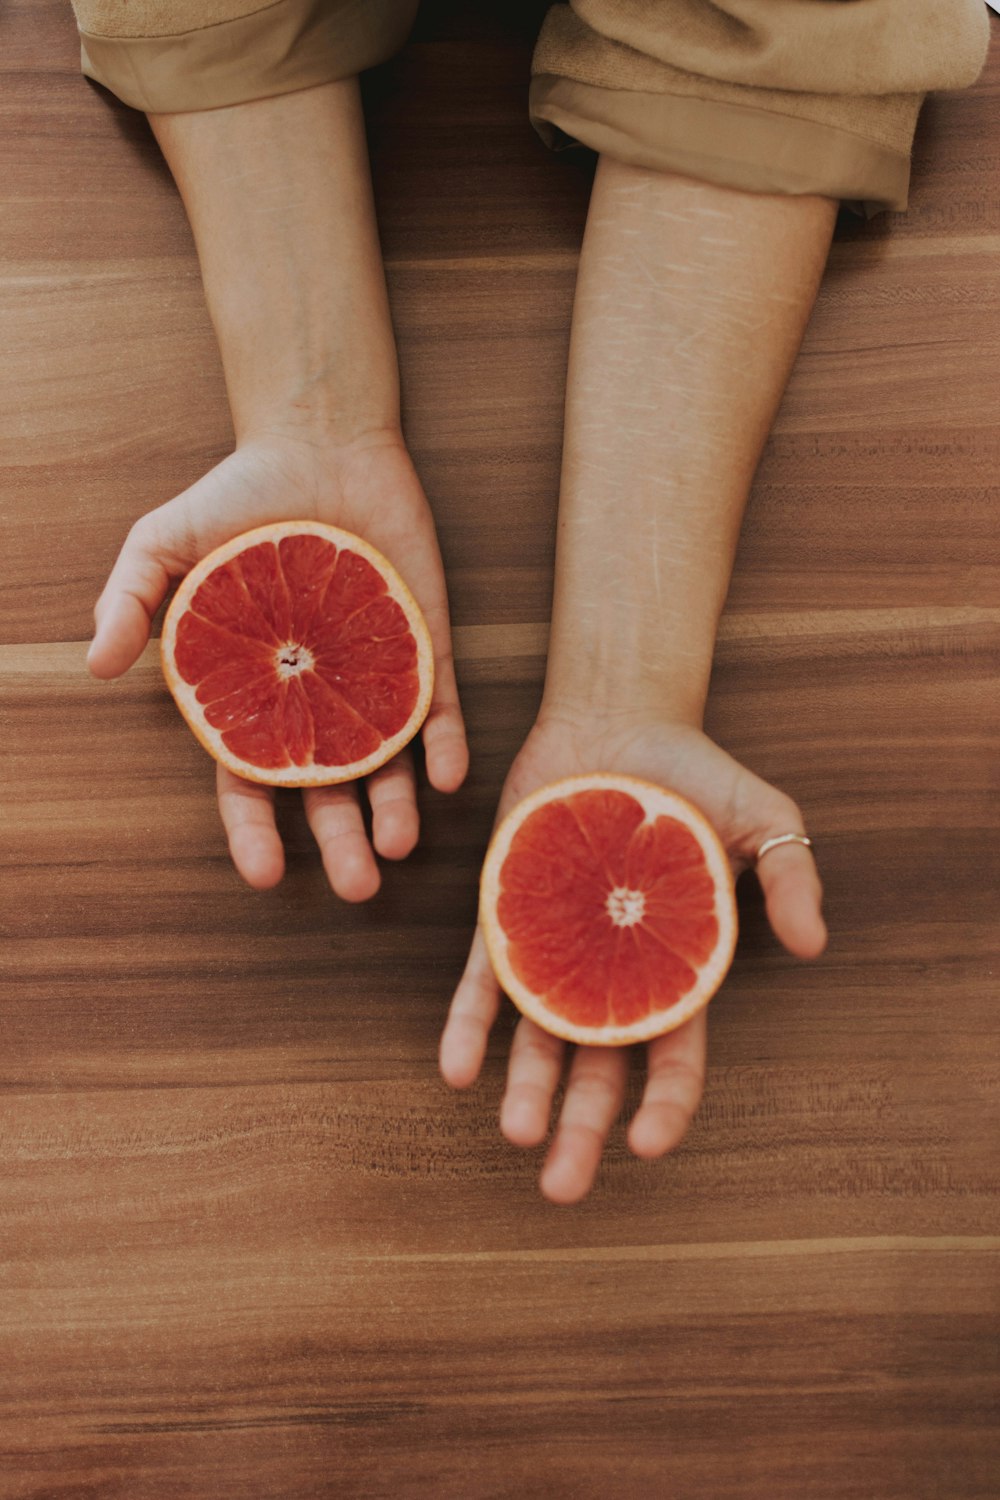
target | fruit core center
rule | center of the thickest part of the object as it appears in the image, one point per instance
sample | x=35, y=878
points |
x=293, y=660
x=625, y=907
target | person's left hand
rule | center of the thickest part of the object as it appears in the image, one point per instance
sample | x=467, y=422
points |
x=744, y=811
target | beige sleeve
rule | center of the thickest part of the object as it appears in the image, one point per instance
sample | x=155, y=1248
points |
x=778, y=96
x=169, y=56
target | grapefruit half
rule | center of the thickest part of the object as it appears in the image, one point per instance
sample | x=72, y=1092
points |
x=608, y=908
x=298, y=656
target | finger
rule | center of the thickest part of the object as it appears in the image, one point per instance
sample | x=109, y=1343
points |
x=248, y=818
x=334, y=815
x=133, y=593
x=443, y=733
x=532, y=1078
x=674, y=1086
x=793, y=894
x=595, y=1094
x=392, y=793
x=472, y=1013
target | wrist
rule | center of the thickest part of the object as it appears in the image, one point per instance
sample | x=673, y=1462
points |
x=616, y=654
x=585, y=698
x=316, y=413
x=317, y=443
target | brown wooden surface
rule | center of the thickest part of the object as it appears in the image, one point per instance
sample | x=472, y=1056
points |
x=249, y=1244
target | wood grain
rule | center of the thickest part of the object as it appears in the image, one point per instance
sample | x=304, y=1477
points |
x=251, y=1245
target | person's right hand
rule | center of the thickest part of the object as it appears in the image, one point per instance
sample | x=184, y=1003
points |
x=371, y=488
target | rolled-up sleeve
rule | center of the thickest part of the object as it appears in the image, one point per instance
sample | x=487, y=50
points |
x=782, y=96
x=169, y=56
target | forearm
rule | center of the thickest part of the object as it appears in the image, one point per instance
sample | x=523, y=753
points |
x=690, y=306
x=278, y=193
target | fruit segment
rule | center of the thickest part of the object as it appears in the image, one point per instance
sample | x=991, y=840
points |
x=298, y=656
x=608, y=909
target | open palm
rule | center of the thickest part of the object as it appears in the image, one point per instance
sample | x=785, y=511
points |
x=369, y=488
x=744, y=810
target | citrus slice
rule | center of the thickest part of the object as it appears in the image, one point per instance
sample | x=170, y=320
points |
x=298, y=656
x=608, y=908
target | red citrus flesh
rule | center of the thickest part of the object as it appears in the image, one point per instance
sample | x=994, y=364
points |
x=298, y=656
x=608, y=909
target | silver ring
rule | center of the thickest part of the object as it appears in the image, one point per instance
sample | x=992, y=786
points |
x=782, y=838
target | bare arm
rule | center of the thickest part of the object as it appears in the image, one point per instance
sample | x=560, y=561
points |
x=279, y=197
x=690, y=306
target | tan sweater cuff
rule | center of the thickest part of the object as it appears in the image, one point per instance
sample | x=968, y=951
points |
x=718, y=91
x=294, y=44
x=750, y=147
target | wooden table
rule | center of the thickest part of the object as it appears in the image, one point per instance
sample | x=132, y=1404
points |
x=250, y=1244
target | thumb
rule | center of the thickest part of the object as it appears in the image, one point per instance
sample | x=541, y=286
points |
x=133, y=593
x=473, y=1011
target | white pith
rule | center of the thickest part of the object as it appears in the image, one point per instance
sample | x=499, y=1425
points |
x=293, y=660
x=313, y=774
x=625, y=907
x=656, y=802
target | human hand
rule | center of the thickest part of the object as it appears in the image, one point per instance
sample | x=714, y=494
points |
x=368, y=487
x=744, y=810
